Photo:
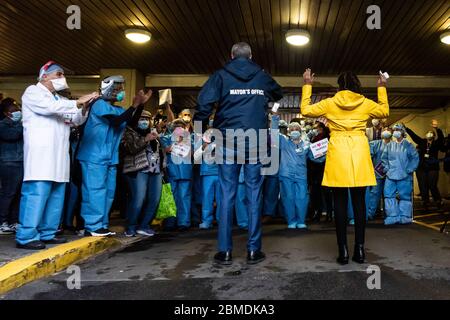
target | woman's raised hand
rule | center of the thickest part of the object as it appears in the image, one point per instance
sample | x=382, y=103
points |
x=308, y=76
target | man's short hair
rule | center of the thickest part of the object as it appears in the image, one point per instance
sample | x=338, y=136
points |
x=241, y=50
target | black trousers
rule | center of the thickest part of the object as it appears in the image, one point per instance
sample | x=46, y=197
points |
x=428, y=181
x=340, y=196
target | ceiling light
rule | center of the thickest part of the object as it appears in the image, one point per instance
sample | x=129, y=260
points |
x=445, y=37
x=297, y=37
x=138, y=35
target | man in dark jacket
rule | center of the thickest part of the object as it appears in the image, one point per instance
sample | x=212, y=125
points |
x=428, y=170
x=11, y=164
x=242, y=90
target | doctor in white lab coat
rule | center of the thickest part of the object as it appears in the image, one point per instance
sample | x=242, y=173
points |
x=47, y=118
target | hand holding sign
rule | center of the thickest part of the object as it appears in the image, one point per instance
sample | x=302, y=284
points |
x=320, y=148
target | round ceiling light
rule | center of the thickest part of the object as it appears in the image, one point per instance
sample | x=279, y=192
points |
x=445, y=37
x=298, y=37
x=138, y=35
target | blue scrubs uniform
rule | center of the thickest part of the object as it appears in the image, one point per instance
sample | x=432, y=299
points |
x=46, y=199
x=374, y=193
x=180, y=178
x=99, y=156
x=209, y=173
x=400, y=160
x=293, y=178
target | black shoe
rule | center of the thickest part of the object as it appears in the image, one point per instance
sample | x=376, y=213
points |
x=34, y=245
x=343, y=255
x=223, y=258
x=359, y=256
x=255, y=257
x=55, y=240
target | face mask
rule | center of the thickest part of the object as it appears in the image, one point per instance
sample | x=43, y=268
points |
x=375, y=122
x=187, y=119
x=143, y=124
x=430, y=136
x=397, y=134
x=16, y=116
x=295, y=135
x=59, y=84
x=386, y=135
x=120, y=96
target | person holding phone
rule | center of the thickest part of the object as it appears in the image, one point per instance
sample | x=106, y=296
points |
x=348, y=165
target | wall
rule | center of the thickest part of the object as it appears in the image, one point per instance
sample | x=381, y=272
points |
x=421, y=124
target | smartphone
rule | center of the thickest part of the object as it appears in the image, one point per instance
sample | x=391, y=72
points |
x=384, y=75
x=275, y=108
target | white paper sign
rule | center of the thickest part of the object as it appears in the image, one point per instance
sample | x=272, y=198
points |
x=275, y=108
x=165, y=96
x=319, y=148
x=181, y=149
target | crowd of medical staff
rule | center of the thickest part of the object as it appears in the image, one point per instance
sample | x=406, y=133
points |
x=61, y=160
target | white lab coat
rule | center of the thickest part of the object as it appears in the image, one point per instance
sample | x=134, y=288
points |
x=47, y=119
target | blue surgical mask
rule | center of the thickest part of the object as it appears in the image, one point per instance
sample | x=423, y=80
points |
x=120, y=96
x=397, y=134
x=295, y=135
x=386, y=135
x=16, y=116
x=143, y=124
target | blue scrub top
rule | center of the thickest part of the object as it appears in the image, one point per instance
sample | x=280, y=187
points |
x=177, y=168
x=207, y=168
x=400, y=160
x=100, y=143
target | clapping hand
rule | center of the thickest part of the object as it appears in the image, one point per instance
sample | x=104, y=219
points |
x=142, y=98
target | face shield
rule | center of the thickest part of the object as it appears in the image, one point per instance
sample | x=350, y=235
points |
x=112, y=88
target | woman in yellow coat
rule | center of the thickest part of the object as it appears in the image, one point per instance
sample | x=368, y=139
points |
x=348, y=163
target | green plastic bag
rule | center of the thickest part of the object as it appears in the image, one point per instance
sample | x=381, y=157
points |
x=167, y=207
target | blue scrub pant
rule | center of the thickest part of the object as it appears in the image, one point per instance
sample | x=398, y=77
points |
x=241, y=206
x=182, y=192
x=41, y=208
x=398, y=211
x=271, y=195
x=295, y=198
x=98, y=189
x=210, y=191
x=72, y=199
x=229, y=181
x=373, y=198
x=145, y=194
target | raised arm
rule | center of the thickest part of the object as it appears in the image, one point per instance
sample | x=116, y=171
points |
x=306, y=108
x=414, y=136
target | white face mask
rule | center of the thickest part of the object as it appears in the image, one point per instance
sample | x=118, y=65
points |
x=375, y=122
x=60, y=84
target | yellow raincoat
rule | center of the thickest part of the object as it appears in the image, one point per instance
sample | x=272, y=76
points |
x=348, y=162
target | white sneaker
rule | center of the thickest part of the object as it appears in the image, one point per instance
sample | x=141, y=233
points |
x=6, y=229
x=14, y=227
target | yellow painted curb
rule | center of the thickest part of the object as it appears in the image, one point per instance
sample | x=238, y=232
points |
x=45, y=263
